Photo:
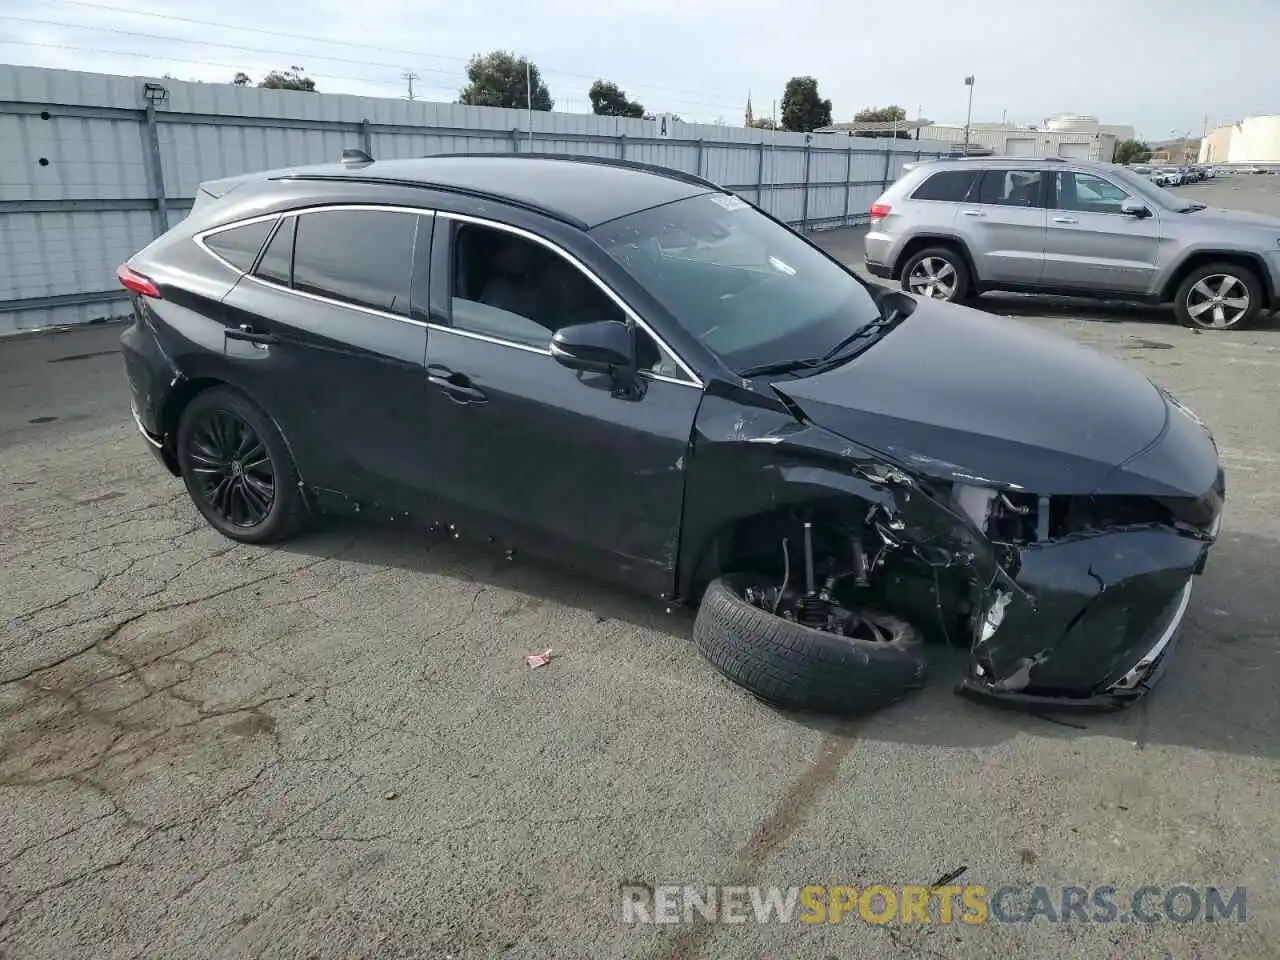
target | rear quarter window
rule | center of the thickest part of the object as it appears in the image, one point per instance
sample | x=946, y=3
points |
x=947, y=185
x=239, y=246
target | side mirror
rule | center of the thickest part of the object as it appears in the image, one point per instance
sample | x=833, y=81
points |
x=601, y=347
x=1133, y=207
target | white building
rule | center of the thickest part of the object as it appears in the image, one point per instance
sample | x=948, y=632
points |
x=1252, y=140
x=1019, y=141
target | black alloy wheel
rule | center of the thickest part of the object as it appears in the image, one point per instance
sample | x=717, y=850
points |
x=232, y=468
x=238, y=469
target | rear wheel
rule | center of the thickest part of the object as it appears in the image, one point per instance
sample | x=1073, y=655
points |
x=1219, y=296
x=938, y=273
x=237, y=469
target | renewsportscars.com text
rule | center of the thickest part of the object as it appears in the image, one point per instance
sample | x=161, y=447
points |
x=972, y=904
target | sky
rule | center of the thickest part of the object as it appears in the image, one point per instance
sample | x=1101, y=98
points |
x=1167, y=69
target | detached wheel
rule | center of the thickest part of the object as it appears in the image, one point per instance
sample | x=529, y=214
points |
x=237, y=469
x=1219, y=296
x=938, y=273
x=798, y=667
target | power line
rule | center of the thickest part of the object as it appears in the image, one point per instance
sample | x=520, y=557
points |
x=225, y=46
x=149, y=56
x=369, y=46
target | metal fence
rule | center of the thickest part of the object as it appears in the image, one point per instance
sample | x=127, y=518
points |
x=93, y=167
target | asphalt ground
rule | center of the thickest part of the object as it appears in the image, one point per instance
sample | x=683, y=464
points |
x=335, y=749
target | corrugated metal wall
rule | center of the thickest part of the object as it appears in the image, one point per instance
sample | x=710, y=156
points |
x=90, y=172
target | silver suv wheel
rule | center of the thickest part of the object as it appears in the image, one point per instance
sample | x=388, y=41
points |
x=933, y=277
x=1219, y=296
x=1219, y=301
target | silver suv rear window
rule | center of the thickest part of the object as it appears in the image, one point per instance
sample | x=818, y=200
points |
x=949, y=185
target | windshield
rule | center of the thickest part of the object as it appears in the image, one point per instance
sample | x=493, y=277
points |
x=750, y=289
x=1157, y=195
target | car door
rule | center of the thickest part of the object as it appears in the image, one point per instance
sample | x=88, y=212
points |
x=323, y=333
x=1091, y=244
x=1003, y=224
x=538, y=455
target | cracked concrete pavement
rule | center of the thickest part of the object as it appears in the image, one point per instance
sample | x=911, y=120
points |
x=334, y=748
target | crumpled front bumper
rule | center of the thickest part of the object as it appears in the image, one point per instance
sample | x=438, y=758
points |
x=1103, y=623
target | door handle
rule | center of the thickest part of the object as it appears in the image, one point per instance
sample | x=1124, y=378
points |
x=249, y=335
x=1065, y=220
x=972, y=213
x=456, y=386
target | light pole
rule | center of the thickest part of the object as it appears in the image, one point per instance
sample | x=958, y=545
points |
x=968, y=120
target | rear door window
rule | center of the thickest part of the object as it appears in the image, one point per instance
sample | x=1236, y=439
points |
x=361, y=257
x=276, y=264
x=948, y=185
x=1011, y=188
x=239, y=246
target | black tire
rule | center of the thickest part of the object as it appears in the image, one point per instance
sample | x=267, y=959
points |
x=953, y=260
x=1190, y=296
x=237, y=513
x=798, y=668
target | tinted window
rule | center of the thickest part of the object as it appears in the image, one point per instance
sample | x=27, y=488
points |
x=239, y=246
x=277, y=259
x=363, y=257
x=952, y=185
x=1088, y=194
x=751, y=290
x=1011, y=188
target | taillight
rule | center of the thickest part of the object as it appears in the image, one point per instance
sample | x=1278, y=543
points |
x=132, y=280
x=880, y=210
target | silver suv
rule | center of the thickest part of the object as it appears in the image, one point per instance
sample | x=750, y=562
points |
x=952, y=228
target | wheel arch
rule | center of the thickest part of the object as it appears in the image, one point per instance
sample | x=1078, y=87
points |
x=181, y=396
x=1202, y=258
x=924, y=241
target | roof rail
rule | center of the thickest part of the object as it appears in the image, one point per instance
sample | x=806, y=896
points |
x=669, y=172
x=351, y=155
x=442, y=187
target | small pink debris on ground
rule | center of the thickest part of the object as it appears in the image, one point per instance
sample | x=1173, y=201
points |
x=538, y=659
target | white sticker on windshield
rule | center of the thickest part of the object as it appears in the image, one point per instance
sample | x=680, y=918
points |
x=781, y=267
x=729, y=201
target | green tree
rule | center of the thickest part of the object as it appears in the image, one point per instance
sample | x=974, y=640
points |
x=241, y=79
x=803, y=110
x=291, y=79
x=498, y=79
x=608, y=101
x=889, y=114
x=1132, y=151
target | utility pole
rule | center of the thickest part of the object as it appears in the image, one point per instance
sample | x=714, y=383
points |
x=410, y=76
x=968, y=122
x=528, y=90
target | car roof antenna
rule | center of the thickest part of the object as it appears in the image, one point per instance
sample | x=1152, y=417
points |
x=353, y=155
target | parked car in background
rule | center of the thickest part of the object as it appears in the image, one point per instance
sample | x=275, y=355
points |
x=632, y=371
x=1142, y=170
x=1168, y=177
x=950, y=229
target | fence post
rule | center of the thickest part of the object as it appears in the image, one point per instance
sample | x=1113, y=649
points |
x=700, y=147
x=848, y=187
x=157, y=170
x=888, y=162
x=804, y=209
x=622, y=146
x=760, y=176
x=515, y=139
x=366, y=141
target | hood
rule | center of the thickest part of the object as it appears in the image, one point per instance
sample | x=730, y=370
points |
x=1233, y=217
x=962, y=395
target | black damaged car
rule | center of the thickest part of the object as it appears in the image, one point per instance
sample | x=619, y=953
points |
x=630, y=370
